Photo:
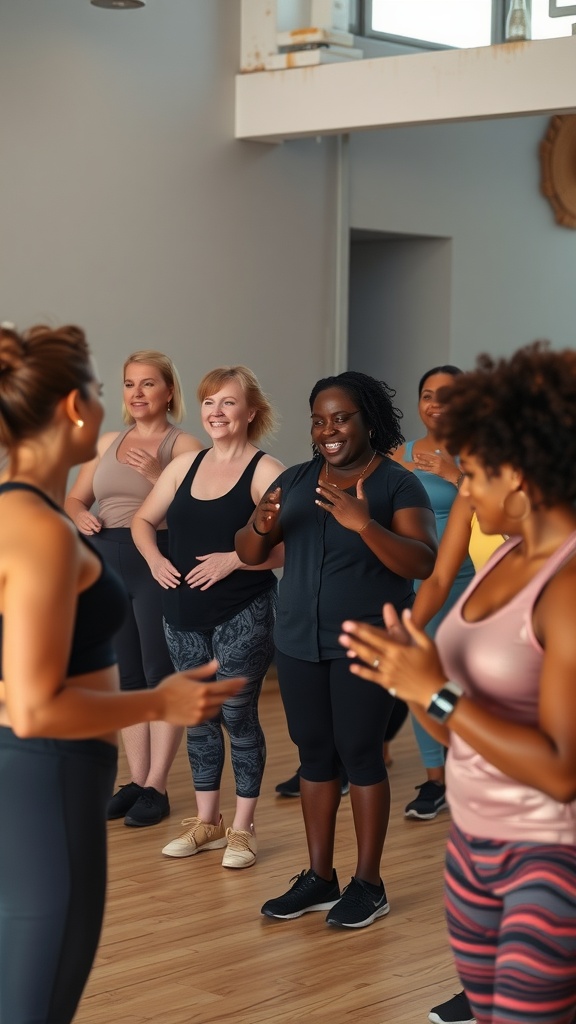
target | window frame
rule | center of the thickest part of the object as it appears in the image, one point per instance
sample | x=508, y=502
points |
x=362, y=25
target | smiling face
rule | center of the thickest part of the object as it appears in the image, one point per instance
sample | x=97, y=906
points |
x=146, y=394
x=226, y=414
x=429, y=407
x=339, y=431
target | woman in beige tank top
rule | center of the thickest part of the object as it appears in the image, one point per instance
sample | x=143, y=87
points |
x=121, y=476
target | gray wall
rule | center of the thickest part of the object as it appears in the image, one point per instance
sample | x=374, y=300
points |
x=513, y=270
x=127, y=206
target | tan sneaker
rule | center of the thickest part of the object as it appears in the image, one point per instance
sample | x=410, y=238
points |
x=198, y=836
x=242, y=849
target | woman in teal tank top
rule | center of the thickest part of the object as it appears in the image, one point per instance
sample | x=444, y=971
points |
x=440, y=475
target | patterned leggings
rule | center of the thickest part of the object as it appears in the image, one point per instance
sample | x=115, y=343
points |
x=244, y=647
x=511, y=911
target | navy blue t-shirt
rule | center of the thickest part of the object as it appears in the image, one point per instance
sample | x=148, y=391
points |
x=330, y=574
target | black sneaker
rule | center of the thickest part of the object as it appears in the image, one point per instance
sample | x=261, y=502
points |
x=289, y=788
x=430, y=800
x=358, y=906
x=123, y=800
x=454, y=1011
x=309, y=892
x=150, y=808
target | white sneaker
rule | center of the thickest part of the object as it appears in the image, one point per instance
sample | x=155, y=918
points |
x=199, y=835
x=242, y=849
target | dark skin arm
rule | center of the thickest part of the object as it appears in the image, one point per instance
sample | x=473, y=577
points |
x=408, y=549
x=543, y=755
x=252, y=547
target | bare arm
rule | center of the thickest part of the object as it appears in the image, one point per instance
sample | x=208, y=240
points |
x=41, y=574
x=215, y=566
x=452, y=551
x=543, y=755
x=152, y=512
x=80, y=498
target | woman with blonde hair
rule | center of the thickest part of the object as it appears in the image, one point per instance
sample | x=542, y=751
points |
x=214, y=604
x=127, y=465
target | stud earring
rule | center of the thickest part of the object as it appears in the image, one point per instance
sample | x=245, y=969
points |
x=79, y=423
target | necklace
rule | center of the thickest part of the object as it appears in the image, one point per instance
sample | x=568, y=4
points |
x=364, y=471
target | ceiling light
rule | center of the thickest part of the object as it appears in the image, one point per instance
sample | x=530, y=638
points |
x=119, y=5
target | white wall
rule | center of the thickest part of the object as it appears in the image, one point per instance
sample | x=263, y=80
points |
x=127, y=206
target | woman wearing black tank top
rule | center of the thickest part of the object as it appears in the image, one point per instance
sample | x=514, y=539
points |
x=213, y=607
x=60, y=607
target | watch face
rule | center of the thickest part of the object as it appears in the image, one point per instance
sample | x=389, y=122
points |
x=443, y=703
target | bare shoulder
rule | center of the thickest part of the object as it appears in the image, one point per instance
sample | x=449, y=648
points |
x=186, y=443
x=266, y=472
x=555, y=613
x=106, y=440
x=178, y=466
x=32, y=533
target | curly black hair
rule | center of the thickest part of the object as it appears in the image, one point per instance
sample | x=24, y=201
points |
x=521, y=412
x=374, y=400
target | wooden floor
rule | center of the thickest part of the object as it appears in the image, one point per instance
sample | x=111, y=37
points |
x=184, y=941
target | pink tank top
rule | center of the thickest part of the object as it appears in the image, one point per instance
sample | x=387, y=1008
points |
x=118, y=488
x=498, y=662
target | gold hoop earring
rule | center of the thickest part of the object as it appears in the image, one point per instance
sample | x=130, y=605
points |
x=517, y=516
x=79, y=423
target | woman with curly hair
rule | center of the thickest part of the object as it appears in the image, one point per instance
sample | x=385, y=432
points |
x=357, y=529
x=497, y=687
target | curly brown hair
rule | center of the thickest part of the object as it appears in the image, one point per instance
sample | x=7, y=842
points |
x=521, y=412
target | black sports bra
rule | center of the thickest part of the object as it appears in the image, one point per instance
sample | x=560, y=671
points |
x=100, y=610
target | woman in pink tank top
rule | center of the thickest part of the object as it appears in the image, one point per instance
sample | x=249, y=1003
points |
x=497, y=687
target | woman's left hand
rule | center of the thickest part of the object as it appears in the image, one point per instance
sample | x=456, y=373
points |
x=144, y=463
x=212, y=568
x=352, y=513
x=411, y=671
x=439, y=463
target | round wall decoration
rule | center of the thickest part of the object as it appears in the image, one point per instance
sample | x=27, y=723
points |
x=558, y=168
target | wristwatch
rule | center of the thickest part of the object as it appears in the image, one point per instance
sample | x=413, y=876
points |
x=443, y=703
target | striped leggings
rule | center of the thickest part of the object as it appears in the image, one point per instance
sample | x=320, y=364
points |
x=511, y=912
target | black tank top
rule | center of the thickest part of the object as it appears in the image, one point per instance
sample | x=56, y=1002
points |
x=198, y=527
x=100, y=610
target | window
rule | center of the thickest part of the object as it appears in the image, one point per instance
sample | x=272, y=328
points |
x=455, y=23
x=551, y=18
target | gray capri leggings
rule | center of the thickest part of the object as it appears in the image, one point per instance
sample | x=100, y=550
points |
x=244, y=646
x=143, y=657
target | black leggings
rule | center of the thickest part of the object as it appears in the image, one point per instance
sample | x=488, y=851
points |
x=140, y=644
x=52, y=872
x=334, y=717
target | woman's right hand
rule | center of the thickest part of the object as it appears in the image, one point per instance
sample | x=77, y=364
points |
x=87, y=523
x=164, y=572
x=267, y=511
x=188, y=700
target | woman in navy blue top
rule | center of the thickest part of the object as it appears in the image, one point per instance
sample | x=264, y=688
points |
x=357, y=529
x=60, y=707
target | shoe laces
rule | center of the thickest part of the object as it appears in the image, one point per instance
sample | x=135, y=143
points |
x=193, y=823
x=149, y=796
x=238, y=839
x=356, y=894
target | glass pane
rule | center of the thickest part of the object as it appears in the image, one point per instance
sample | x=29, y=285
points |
x=457, y=23
x=544, y=27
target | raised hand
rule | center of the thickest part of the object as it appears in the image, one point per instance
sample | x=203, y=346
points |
x=268, y=510
x=351, y=512
x=411, y=671
x=144, y=463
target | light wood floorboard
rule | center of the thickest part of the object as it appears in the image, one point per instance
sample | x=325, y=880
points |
x=184, y=942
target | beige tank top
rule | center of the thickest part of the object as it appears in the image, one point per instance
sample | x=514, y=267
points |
x=118, y=488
